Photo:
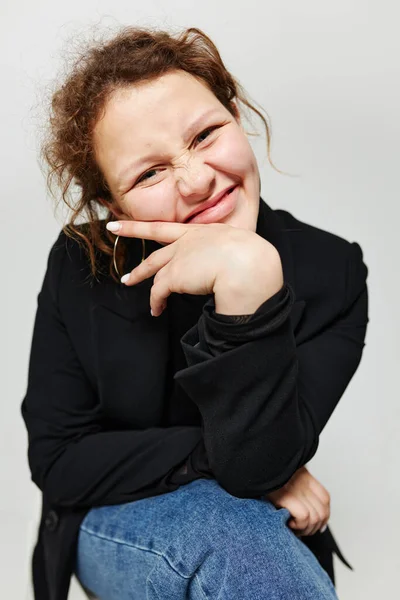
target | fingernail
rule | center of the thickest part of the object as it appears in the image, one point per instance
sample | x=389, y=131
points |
x=151, y=312
x=125, y=278
x=323, y=528
x=113, y=226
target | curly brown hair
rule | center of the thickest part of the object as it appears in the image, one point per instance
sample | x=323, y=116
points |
x=133, y=55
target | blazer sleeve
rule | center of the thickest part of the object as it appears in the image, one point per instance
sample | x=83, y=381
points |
x=73, y=458
x=263, y=400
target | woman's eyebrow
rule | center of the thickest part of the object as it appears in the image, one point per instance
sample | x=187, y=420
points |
x=153, y=156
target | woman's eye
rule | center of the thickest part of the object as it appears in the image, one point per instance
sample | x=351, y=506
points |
x=209, y=129
x=144, y=176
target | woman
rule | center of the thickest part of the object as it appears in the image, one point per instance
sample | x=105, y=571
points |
x=171, y=446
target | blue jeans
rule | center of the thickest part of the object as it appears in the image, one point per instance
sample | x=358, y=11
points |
x=197, y=543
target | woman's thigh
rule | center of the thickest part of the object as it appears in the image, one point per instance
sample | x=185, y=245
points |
x=197, y=543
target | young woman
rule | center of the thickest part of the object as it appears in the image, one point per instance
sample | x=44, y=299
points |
x=188, y=349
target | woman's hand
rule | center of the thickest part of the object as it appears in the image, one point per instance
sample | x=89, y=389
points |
x=307, y=501
x=238, y=266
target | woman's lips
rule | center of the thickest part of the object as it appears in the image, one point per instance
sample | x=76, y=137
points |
x=220, y=210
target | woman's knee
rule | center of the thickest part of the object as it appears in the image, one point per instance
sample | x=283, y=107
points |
x=224, y=519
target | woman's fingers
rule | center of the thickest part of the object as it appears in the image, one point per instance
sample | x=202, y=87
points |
x=319, y=490
x=307, y=501
x=160, y=231
x=308, y=514
x=197, y=259
x=149, y=267
x=159, y=292
x=309, y=521
x=317, y=514
x=299, y=511
x=156, y=264
x=325, y=499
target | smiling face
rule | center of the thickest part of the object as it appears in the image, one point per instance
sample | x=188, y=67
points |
x=166, y=147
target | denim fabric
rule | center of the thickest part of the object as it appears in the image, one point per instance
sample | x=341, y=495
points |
x=197, y=543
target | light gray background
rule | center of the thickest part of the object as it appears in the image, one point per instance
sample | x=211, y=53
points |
x=328, y=76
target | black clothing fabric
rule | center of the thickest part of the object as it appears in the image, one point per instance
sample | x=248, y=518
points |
x=215, y=338
x=122, y=406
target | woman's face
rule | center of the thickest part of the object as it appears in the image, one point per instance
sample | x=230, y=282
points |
x=166, y=147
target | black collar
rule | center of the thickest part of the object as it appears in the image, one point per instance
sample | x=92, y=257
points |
x=270, y=226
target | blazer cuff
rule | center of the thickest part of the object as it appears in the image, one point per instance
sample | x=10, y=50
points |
x=219, y=333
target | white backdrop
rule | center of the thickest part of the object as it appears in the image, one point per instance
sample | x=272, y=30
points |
x=328, y=76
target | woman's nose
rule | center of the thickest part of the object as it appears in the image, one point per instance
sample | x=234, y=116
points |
x=195, y=180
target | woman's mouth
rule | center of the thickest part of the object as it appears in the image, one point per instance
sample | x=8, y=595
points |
x=220, y=210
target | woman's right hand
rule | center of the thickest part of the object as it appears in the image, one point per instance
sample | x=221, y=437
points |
x=307, y=501
x=238, y=266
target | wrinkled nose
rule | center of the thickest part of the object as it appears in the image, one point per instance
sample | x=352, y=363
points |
x=195, y=180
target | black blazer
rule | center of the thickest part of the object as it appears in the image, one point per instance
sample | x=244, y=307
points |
x=117, y=401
